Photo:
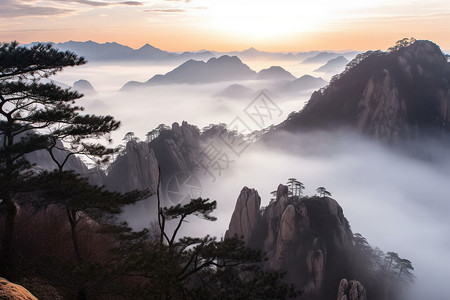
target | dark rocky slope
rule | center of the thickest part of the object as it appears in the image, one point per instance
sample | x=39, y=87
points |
x=402, y=94
x=311, y=240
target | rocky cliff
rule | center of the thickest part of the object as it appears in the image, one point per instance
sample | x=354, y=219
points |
x=182, y=149
x=246, y=217
x=401, y=94
x=351, y=290
x=176, y=149
x=307, y=237
x=136, y=168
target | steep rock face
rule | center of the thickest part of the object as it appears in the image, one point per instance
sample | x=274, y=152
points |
x=11, y=291
x=176, y=149
x=352, y=290
x=383, y=109
x=184, y=149
x=403, y=94
x=246, y=215
x=303, y=236
x=135, y=169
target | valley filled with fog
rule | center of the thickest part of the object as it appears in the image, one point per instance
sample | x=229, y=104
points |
x=394, y=199
x=143, y=109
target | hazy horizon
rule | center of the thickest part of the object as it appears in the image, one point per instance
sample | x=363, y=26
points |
x=203, y=24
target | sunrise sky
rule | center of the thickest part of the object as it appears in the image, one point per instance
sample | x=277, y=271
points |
x=270, y=25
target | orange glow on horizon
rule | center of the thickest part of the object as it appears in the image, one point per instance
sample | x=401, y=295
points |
x=272, y=26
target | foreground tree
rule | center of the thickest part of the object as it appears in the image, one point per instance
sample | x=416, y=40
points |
x=193, y=267
x=27, y=106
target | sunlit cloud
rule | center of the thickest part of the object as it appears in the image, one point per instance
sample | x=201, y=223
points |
x=169, y=10
x=33, y=8
x=103, y=3
x=13, y=9
x=269, y=25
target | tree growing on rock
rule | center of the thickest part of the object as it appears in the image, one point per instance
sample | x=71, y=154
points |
x=298, y=188
x=130, y=136
x=295, y=187
x=405, y=42
x=405, y=269
x=323, y=192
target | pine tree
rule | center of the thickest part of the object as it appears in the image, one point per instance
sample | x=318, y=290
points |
x=27, y=106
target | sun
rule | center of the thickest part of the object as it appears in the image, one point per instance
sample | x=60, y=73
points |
x=265, y=19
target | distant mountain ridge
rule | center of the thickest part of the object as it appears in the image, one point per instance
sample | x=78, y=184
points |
x=324, y=57
x=93, y=51
x=224, y=68
x=335, y=65
x=112, y=51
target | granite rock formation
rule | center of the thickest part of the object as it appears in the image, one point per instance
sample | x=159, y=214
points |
x=351, y=290
x=391, y=96
x=136, y=168
x=246, y=216
x=303, y=236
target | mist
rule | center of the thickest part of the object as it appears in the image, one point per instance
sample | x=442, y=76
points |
x=143, y=109
x=397, y=201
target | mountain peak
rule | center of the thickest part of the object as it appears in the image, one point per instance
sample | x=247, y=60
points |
x=224, y=59
x=224, y=68
x=251, y=50
x=147, y=46
x=275, y=72
x=401, y=94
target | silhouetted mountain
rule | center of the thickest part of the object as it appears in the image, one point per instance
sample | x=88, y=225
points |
x=235, y=91
x=84, y=87
x=223, y=68
x=320, y=58
x=334, y=66
x=201, y=55
x=253, y=53
x=275, y=73
x=323, y=57
x=306, y=82
x=93, y=51
x=148, y=52
x=403, y=94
